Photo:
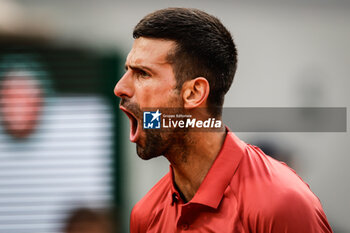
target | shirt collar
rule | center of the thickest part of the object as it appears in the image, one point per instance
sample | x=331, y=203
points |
x=213, y=186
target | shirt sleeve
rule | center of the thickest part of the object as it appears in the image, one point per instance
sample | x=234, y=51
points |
x=295, y=213
x=138, y=219
x=134, y=222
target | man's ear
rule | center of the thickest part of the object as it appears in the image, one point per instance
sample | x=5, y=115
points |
x=195, y=92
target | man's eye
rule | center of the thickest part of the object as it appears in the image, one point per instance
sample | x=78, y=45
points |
x=142, y=73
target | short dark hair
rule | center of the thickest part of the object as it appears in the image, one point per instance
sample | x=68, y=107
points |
x=204, y=48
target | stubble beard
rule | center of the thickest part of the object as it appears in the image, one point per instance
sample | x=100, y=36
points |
x=157, y=142
x=154, y=145
x=166, y=144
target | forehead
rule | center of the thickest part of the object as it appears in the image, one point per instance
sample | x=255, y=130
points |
x=15, y=83
x=149, y=52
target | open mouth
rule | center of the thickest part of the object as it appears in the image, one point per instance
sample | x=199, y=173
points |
x=134, y=125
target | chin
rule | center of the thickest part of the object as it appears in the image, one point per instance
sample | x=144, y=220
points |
x=146, y=153
x=151, y=145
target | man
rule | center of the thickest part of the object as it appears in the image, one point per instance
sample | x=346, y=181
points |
x=186, y=59
x=85, y=220
x=21, y=102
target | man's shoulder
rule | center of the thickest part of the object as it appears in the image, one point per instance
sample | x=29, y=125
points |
x=155, y=199
x=268, y=186
x=260, y=172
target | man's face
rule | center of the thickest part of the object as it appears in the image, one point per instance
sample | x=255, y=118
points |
x=20, y=103
x=148, y=82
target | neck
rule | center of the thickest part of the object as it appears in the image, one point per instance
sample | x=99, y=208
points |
x=192, y=161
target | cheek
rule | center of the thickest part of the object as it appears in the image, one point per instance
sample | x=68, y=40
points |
x=156, y=95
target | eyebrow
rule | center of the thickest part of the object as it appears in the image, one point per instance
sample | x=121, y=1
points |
x=140, y=67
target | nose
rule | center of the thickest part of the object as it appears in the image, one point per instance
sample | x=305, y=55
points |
x=124, y=88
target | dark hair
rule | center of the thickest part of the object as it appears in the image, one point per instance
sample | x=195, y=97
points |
x=205, y=48
x=80, y=218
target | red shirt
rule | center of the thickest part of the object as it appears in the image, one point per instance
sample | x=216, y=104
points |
x=244, y=191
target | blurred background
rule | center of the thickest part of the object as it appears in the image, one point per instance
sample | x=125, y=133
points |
x=66, y=164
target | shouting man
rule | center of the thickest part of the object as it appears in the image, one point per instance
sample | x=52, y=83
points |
x=185, y=59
